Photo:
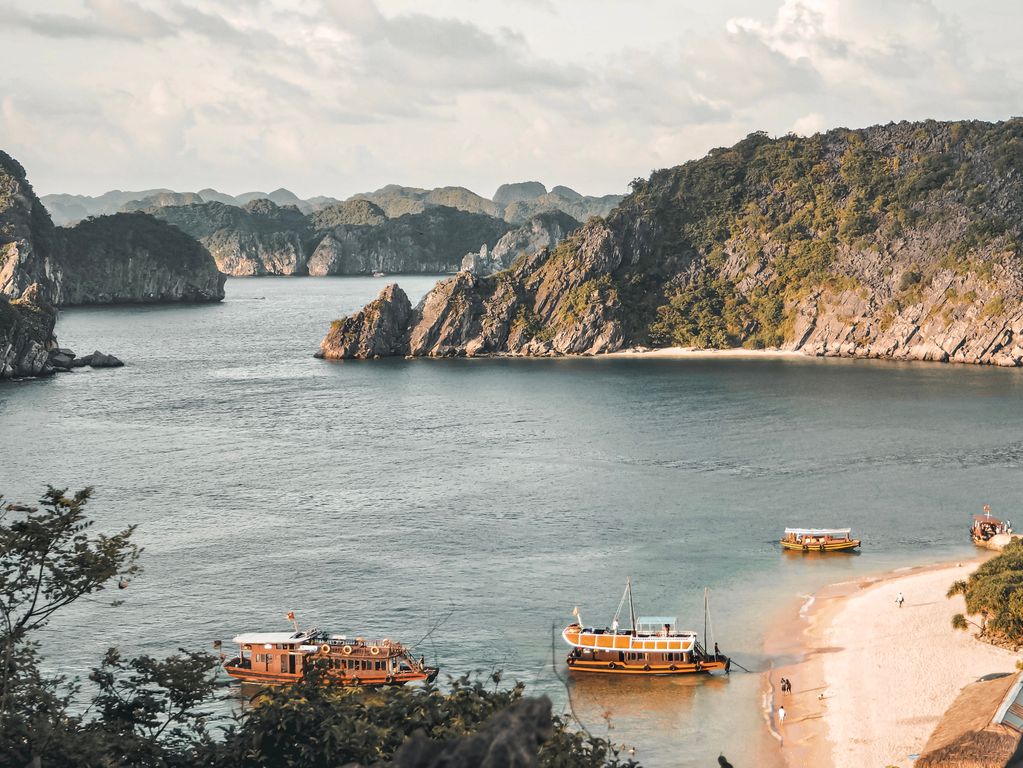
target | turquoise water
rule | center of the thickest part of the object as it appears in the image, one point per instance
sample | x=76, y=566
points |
x=483, y=499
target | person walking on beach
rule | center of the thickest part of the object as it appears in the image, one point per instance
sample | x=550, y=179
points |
x=900, y=599
x=781, y=715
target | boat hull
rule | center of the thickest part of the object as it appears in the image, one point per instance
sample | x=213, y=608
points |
x=255, y=677
x=831, y=546
x=634, y=668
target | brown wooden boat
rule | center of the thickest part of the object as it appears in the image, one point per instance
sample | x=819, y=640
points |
x=651, y=646
x=276, y=658
x=984, y=527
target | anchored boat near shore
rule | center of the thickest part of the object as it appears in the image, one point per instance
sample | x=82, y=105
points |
x=653, y=645
x=276, y=658
x=984, y=528
x=819, y=540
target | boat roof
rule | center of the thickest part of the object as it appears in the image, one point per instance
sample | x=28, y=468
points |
x=819, y=531
x=658, y=620
x=255, y=638
x=986, y=519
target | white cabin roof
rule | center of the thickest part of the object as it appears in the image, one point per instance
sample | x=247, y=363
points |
x=262, y=638
x=819, y=531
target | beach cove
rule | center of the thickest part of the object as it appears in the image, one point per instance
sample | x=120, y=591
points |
x=870, y=678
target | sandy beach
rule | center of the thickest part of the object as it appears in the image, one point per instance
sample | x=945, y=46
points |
x=689, y=352
x=870, y=680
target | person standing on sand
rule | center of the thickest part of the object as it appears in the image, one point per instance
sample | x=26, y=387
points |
x=781, y=715
x=899, y=599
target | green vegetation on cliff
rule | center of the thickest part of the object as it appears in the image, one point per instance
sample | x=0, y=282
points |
x=900, y=241
x=735, y=240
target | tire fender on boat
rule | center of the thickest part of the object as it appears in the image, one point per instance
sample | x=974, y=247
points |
x=324, y=648
x=375, y=650
x=673, y=668
x=389, y=679
x=612, y=665
x=347, y=650
x=646, y=667
x=355, y=681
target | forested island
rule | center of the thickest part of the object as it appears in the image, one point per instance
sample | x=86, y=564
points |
x=896, y=241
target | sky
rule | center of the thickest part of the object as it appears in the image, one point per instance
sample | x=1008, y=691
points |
x=335, y=97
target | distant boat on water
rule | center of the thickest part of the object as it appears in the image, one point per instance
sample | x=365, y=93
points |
x=819, y=540
x=653, y=645
x=379, y=274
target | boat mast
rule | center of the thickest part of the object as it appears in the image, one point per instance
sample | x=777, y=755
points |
x=705, y=608
x=632, y=607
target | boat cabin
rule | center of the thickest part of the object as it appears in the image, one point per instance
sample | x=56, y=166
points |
x=818, y=539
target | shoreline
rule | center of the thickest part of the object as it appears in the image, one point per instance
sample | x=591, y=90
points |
x=870, y=680
x=692, y=352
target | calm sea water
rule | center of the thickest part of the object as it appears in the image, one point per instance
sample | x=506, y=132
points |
x=483, y=499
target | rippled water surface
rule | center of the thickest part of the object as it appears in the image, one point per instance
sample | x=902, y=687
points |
x=486, y=498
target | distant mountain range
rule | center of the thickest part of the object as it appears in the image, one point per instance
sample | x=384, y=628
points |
x=514, y=203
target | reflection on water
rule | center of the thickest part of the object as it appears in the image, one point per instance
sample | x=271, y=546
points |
x=473, y=503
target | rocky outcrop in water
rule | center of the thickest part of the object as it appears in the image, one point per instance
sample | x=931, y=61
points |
x=545, y=230
x=133, y=258
x=538, y=307
x=26, y=334
x=900, y=241
x=379, y=330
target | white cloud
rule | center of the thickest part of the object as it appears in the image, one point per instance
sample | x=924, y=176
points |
x=339, y=96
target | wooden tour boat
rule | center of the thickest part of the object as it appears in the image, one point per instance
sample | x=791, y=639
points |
x=819, y=540
x=276, y=658
x=651, y=646
x=985, y=527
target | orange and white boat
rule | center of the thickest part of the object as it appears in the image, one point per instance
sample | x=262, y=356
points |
x=276, y=658
x=653, y=645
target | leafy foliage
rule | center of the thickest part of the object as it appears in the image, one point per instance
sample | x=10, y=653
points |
x=310, y=725
x=155, y=713
x=994, y=592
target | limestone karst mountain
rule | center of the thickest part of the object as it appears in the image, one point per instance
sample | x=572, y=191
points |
x=107, y=259
x=899, y=241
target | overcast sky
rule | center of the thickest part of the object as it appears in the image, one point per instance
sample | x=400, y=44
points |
x=340, y=96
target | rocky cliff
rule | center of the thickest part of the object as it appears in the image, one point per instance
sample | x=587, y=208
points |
x=133, y=257
x=900, y=241
x=259, y=238
x=349, y=238
x=120, y=258
x=545, y=230
x=27, y=236
x=431, y=241
x=26, y=334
